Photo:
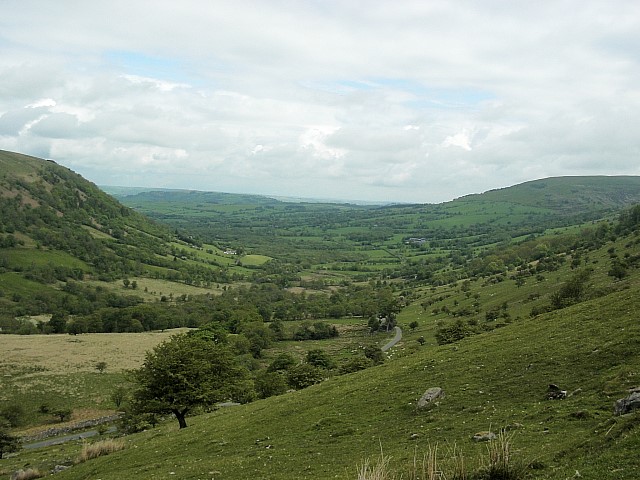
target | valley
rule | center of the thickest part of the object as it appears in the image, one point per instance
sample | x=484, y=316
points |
x=498, y=296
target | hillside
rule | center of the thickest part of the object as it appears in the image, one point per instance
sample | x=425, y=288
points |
x=491, y=380
x=63, y=242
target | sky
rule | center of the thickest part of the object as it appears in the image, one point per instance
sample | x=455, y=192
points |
x=382, y=100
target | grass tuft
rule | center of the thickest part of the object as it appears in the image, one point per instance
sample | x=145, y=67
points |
x=378, y=470
x=99, y=449
x=500, y=464
x=28, y=474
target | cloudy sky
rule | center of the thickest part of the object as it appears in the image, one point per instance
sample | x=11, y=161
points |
x=386, y=100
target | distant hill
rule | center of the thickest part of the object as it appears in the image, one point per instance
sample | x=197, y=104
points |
x=569, y=194
x=128, y=194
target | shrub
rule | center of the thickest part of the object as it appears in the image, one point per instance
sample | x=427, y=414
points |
x=500, y=464
x=13, y=414
x=268, y=384
x=377, y=470
x=304, y=375
x=62, y=413
x=284, y=361
x=8, y=443
x=355, y=364
x=99, y=449
x=119, y=395
x=320, y=358
x=374, y=353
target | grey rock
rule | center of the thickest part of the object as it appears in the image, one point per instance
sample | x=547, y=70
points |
x=429, y=397
x=484, y=437
x=627, y=404
x=555, y=393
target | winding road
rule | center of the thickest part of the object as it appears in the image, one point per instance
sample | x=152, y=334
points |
x=395, y=340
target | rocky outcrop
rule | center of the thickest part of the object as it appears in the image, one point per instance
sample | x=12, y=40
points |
x=627, y=404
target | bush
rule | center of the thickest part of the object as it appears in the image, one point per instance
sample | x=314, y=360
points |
x=319, y=358
x=355, y=364
x=13, y=414
x=304, y=375
x=8, y=443
x=119, y=395
x=268, y=384
x=284, y=361
x=374, y=353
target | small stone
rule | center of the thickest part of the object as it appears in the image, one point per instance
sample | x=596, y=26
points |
x=429, y=397
x=484, y=437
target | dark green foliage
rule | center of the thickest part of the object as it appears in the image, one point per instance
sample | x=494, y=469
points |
x=572, y=291
x=268, y=384
x=373, y=353
x=453, y=333
x=304, y=375
x=282, y=362
x=119, y=395
x=315, y=331
x=183, y=373
x=8, y=443
x=319, y=358
x=62, y=413
x=355, y=364
x=13, y=414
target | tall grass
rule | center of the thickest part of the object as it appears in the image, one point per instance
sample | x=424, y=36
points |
x=28, y=474
x=499, y=464
x=98, y=449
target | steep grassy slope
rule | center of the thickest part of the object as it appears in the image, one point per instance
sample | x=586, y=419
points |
x=491, y=381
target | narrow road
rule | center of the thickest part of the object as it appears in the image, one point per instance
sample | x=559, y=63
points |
x=64, y=439
x=395, y=340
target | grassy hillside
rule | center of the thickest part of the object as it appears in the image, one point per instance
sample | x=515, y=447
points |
x=491, y=381
x=58, y=228
x=494, y=379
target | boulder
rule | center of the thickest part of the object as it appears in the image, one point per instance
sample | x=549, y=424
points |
x=429, y=397
x=484, y=437
x=627, y=404
x=556, y=393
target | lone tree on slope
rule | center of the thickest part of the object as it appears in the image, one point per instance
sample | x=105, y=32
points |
x=182, y=373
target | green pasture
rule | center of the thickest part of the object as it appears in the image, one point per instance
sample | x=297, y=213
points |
x=28, y=257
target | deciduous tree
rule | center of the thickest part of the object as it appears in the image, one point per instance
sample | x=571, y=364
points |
x=183, y=373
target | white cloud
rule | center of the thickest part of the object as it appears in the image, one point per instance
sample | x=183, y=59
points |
x=414, y=101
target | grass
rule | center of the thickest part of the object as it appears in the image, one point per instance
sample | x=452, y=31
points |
x=28, y=474
x=491, y=381
x=60, y=371
x=99, y=449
